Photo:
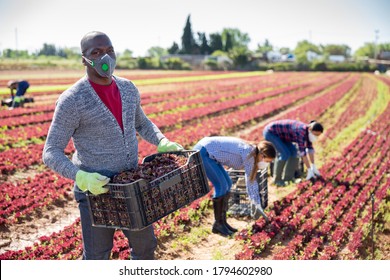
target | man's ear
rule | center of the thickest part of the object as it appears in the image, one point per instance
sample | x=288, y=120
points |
x=83, y=61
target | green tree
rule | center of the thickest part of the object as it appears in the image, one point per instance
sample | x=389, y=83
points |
x=384, y=47
x=9, y=53
x=125, y=60
x=48, y=50
x=175, y=63
x=333, y=49
x=157, y=51
x=72, y=53
x=187, y=40
x=127, y=53
x=237, y=38
x=301, y=50
x=61, y=53
x=266, y=47
x=216, y=42
x=228, y=42
x=149, y=63
x=204, y=47
x=174, y=49
x=220, y=53
x=368, y=50
x=239, y=55
x=284, y=50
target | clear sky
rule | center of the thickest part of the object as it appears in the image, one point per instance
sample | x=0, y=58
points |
x=139, y=25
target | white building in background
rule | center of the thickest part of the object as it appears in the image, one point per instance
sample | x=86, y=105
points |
x=332, y=58
x=197, y=61
x=337, y=58
x=313, y=56
x=274, y=56
x=288, y=57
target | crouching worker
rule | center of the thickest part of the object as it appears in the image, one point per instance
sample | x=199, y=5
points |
x=220, y=151
x=102, y=115
x=21, y=88
x=283, y=134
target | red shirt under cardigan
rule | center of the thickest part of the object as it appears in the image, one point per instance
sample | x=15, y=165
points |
x=111, y=97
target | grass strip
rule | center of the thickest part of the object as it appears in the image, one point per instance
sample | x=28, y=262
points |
x=378, y=106
x=152, y=81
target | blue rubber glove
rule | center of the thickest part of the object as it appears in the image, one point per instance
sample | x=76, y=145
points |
x=167, y=146
x=92, y=182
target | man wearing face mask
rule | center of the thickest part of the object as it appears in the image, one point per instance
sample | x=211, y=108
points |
x=101, y=113
x=220, y=151
x=282, y=134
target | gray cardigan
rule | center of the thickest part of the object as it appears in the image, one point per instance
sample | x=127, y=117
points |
x=101, y=145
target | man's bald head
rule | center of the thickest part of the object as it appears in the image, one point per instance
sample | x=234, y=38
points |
x=94, y=46
x=88, y=41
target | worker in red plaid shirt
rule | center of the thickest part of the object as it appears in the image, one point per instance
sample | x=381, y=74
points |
x=283, y=134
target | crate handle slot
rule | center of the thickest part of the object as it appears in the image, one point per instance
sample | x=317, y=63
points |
x=168, y=183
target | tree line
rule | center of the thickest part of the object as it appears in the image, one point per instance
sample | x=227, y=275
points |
x=230, y=42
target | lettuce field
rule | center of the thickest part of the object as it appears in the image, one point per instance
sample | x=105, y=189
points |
x=345, y=215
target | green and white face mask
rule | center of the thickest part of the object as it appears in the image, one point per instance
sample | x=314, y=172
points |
x=104, y=66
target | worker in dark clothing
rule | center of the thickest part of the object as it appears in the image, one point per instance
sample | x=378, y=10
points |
x=282, y=134
x=21, y=87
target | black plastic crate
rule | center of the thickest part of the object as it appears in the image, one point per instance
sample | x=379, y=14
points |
x=136, y=205
x=239, y=202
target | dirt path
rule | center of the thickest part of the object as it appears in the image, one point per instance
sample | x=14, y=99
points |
x=201, y=244
x=44, y=222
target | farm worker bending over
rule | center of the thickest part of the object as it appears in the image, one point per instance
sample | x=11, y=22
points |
x=101, y=113
x=219, y=151
x=21, y=88
x=282, y=134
